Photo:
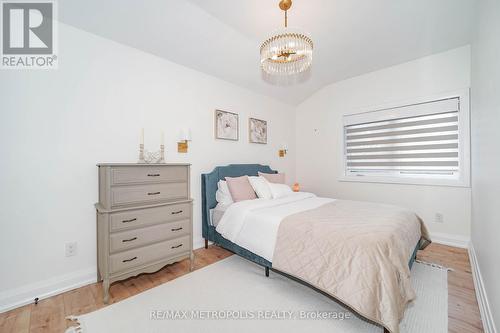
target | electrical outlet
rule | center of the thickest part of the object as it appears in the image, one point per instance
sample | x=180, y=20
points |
x=439, y=218
x=71, y=249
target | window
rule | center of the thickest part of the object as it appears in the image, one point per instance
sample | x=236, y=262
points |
x=421, y=143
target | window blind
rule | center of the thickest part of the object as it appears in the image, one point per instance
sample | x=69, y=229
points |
x=397, y=144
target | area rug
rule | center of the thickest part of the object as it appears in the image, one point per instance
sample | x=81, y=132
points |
x=233, y=295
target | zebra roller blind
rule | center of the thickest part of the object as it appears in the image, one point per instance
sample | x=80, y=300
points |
x=420, y=140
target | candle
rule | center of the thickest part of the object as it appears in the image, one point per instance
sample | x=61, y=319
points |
x=142, y=136
x=162, y=138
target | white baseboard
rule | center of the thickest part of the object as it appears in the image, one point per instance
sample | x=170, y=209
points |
x=25, y=295
x=451, y=240
x=482, y=298
x=17, y=297
x=14, y=298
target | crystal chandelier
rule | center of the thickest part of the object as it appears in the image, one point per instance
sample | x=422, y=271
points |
x=288, y=51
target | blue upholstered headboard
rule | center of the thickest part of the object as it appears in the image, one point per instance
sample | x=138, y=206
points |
x=209, y=187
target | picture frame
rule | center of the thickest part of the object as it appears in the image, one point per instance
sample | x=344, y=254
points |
x=257, y=131
x=226, y=125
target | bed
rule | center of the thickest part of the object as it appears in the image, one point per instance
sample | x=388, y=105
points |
x=208, y=188
x=296, y=224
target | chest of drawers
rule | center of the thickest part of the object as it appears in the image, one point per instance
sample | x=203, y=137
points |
x=144, y=219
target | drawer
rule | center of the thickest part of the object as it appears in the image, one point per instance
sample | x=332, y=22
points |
x=129, y=259
x=149, y=174
x=138, y=237
x=135, y=194
x=143, y=217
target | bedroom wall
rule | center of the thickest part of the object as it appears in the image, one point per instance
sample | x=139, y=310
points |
x=486, y=158
x=56, y=125
x=319, y=145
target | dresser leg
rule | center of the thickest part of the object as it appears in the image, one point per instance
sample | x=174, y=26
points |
x=206, y=243
x=105, y=287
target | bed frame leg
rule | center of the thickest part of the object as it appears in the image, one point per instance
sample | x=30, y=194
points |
x=206, y=243
x=267, y=271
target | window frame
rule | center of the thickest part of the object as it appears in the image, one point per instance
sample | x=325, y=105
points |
x=463, y=139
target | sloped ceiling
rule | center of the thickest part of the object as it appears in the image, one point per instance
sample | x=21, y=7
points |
x=222, y=37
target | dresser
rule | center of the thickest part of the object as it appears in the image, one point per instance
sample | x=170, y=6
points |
x=144, y=219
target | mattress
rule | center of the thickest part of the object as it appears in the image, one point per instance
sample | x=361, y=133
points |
x=253, y=224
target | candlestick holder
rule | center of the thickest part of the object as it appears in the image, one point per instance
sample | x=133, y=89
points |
x=162, y=154
x=152, y=157
x=141, y=154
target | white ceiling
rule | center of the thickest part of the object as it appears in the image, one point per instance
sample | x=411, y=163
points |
x=222, y=37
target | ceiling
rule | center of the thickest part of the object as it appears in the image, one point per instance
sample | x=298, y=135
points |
x=222, y=37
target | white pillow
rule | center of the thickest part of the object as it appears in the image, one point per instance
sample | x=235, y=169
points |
x=260, y=187
x=279, y=190
x=223, y=196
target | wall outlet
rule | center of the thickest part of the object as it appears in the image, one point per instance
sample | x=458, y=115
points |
x=71, y=249
x=439, y=218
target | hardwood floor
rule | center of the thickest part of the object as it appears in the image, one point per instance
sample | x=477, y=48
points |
x=463, y=310
x=48, y=315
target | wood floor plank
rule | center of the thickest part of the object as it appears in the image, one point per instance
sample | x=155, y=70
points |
x=138, y=284
x=49, y=314
x=98, y=294
x=165, y=275
x=17, y=320
x=459, y=326
x=79, y=301
x=463, y=310
x=118, y=292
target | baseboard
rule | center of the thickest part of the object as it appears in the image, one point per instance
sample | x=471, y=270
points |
x=17, y=297
x=451, y=240
x=482, y=298
x=14, y=298
x=25, y=295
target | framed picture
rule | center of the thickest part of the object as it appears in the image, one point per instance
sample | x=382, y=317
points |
x=226, y=125
x=257, y=130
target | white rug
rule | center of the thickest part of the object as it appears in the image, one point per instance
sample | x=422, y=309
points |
x=233, y=295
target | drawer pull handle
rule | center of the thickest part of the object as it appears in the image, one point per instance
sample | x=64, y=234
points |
x=153, y=175
x=177, y=212
x=131, y=259
x=177, y=229
x=129, y=240
x=131, y=220
x=177, y=246
x=153, y=193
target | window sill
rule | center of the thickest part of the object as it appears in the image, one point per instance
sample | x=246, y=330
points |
x=405, y=181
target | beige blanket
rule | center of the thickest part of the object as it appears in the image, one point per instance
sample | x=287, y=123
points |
x=357, y=252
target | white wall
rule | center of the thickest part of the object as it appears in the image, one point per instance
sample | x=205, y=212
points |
x=485, y=150
x=56, y=125
x=318, y=153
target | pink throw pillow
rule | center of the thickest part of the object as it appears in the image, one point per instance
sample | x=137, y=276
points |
x=240, y=188
x=278, y=178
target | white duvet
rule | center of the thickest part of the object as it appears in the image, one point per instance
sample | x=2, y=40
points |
x=253, y=224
